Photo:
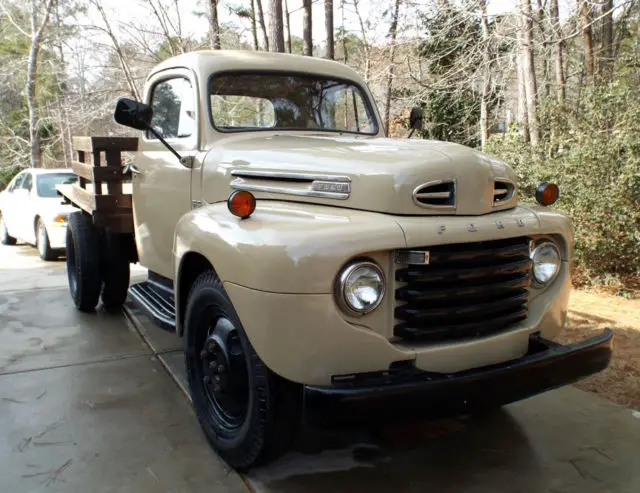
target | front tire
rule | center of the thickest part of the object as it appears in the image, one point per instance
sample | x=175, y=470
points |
x=5, y=238
x=83, y=261
x=42, y=242
x=249, y=414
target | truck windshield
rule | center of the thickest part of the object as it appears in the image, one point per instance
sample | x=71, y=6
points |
x=267, y=101
x=46, y=183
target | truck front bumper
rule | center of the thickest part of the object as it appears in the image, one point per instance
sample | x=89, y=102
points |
x=408, y=394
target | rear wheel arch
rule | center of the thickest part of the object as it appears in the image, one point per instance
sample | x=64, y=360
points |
x=192, y=264
x=5, y=237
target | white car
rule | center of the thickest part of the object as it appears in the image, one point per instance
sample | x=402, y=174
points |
x=31, y=210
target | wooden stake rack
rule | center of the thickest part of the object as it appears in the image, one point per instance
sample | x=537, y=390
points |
x=99, y=189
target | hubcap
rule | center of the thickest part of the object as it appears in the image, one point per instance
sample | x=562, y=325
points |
x=41, y=238
x=71, y=266
x=224, y=373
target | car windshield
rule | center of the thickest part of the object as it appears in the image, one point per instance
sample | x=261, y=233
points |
x=268, y=101
x=46, y=183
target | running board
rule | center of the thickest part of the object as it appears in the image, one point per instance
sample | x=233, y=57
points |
x=156, y=299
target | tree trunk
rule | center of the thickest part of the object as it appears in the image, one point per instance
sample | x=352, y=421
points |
x=307, y=26
x=585, y=27
x=116, y=45
x=62, y=81
x=276, y=30
x=523, y=118
x=328, y=23
x=638, y=39
x=559, y=52
x=365, y=44
x=546, y=68
x=263, y=25
x=32, y=72
x=607, y=42
x=214, y=25
x=486, y=78
x=175, y=43
x=529, y=72
x=254, y=27
x=392, y=56
x=288, y=20
x=344, y=34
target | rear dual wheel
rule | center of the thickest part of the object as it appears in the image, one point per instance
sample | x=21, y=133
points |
x=115, y=270
x=248, y=413
x=97, y=265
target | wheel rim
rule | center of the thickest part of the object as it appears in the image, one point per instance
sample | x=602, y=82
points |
x=222, y=369
x=71, y=264
x=42, y=238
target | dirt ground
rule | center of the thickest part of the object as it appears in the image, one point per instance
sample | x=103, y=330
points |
x=592, y=311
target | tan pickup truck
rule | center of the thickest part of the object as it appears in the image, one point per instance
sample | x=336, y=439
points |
x=316, y=270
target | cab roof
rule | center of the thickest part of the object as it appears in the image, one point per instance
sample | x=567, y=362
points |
x=205, y=62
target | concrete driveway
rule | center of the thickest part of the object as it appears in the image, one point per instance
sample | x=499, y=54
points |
x=90, y=403
x=85, y=405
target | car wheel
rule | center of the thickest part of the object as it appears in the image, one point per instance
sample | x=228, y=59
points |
x=249, y=414
x=5, y=238
x=115, y=271
x=83, y=261
x=42, y=242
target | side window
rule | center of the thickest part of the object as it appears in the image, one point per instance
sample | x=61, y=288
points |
x=173, y=109
x=27, y=183
x=17, y=183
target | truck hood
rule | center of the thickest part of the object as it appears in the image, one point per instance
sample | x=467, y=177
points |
x=415, y=177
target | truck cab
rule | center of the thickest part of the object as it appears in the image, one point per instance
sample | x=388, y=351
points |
x=318, y=270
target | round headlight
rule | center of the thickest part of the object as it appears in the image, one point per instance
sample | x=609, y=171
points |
x=546, y=262
x=361, y=287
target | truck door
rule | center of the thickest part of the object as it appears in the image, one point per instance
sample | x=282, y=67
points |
x=161, y=184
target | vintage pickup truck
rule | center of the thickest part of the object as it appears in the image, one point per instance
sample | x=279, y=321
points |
x=316, y=269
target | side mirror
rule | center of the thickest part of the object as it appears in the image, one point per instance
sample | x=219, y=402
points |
x=134, y=114
x=415, y=119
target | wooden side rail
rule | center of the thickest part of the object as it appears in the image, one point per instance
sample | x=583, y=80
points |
x=99, y=189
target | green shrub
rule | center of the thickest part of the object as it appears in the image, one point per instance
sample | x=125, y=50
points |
x=7, y=173
x=593, y=154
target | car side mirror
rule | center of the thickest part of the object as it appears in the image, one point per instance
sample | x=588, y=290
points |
x=415, y=119
x=134, y=114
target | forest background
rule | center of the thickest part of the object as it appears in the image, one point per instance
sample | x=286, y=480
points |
x=550, y=86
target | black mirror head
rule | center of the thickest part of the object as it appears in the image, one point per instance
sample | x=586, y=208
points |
x=134, y=114
x=415, y=118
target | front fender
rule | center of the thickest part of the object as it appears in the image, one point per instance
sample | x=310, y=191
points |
x=283, y=247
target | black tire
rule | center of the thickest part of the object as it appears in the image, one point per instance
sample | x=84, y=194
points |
x=115, y=270
x=83, y=261
x=42, y=242
x=272, y=413
x=5, y=238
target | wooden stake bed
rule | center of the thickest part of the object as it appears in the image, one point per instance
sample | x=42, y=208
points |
x=102, y=189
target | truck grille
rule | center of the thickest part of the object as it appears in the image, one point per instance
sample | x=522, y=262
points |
x=467, y=290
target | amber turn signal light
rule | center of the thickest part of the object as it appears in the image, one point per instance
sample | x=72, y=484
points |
x=241, y=203
x=547, y=193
